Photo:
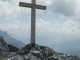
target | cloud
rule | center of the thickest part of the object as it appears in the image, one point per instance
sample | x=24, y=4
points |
x=68, y=16
x=14, y=27
x=11, y=9
x=8, y=10
x=65, y=23
x=22, y=30
x=67, y=7
x=44, y=2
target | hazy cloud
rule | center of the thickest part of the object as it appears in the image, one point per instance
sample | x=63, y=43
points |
x=69, y=11
x=67, y=7
x=11, y=9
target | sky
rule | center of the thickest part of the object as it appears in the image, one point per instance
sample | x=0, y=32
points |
x=59, y=23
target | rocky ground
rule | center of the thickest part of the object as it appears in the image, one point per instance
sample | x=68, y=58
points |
x=31, y=52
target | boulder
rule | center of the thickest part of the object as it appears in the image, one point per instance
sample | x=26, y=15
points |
x=36, y=52
x=12, y=48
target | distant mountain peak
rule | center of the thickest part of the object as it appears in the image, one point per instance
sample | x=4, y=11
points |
x=11, y=40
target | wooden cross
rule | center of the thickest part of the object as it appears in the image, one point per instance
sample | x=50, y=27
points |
x=33, y=7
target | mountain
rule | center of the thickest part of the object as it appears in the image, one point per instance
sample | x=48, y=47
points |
x=36, y=52
x=69, y=47
x=31, y=52
x=11, y=40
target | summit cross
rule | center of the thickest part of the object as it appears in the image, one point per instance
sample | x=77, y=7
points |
x=33, y=7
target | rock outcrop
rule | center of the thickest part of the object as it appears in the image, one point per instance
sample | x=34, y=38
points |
x=37, y=53
x=32, y=52
x=12, y=48
x=3, y=45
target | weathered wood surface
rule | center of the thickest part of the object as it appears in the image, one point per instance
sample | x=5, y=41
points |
x=33, y=7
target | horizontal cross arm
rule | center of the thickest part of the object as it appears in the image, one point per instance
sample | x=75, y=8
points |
x=40, y=7
x=32, y=5
x=25, y=4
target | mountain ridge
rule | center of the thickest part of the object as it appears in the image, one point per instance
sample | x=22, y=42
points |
x=11, y=40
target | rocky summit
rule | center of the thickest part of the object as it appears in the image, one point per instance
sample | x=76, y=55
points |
x=32, y=52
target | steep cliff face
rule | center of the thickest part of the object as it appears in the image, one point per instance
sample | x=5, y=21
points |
x=32, y=52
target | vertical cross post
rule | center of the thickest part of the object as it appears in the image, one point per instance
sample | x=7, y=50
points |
x=33, y=20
